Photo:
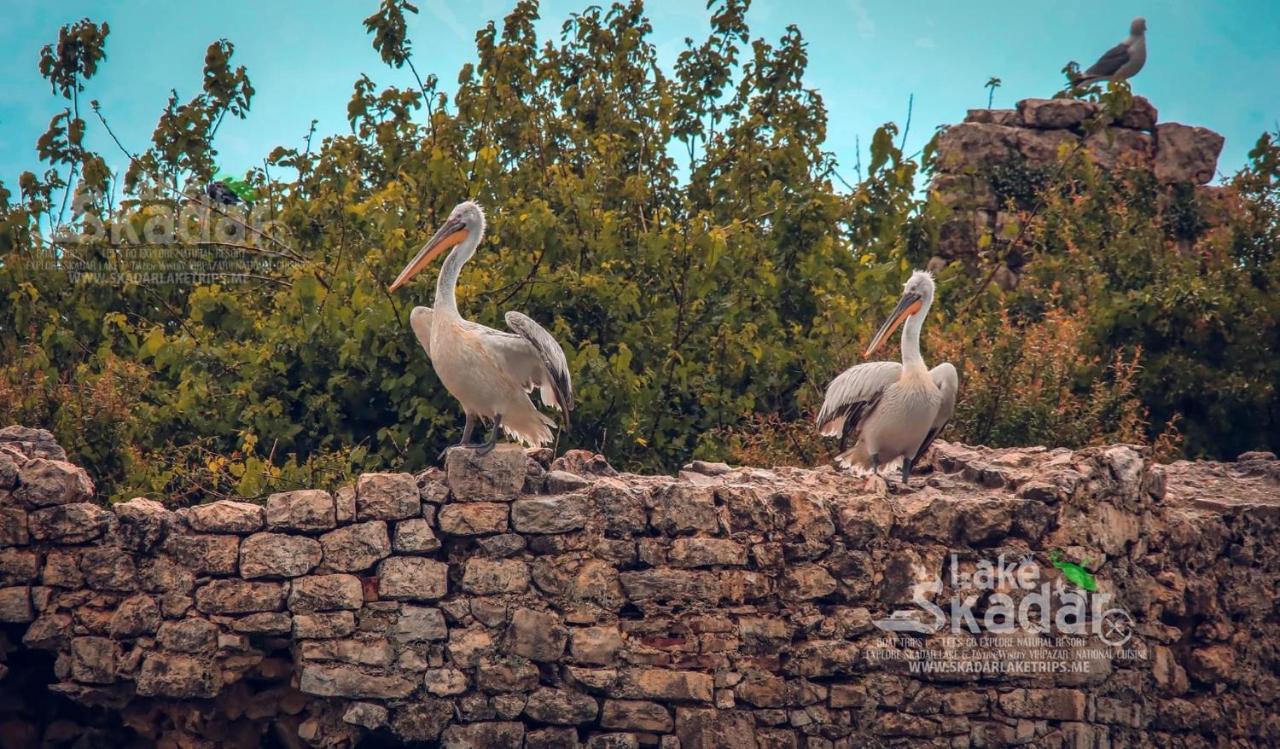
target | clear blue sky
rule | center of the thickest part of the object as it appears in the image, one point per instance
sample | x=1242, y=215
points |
x=1215, y=64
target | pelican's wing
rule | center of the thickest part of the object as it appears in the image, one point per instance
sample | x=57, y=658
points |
x=420, y=322
x=1109, y=63
x=852, y=397
x=945, y=377
x=541, y=363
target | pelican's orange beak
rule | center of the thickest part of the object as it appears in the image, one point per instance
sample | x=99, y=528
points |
x=908, y=305
x=452, y=233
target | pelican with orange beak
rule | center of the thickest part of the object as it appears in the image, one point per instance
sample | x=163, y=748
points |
x=891, y=410
x=490, y=372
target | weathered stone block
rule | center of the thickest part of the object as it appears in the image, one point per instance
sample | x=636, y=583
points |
x=595, y=645
x=419, y=623
x=74, y=523
x=189, y=636
x=205, y=554
x=473, y=519
x=42, y=483
x=706, y=552
x=278, y=555
x=178, y=677
x=1053, y=704
x=325, y=593
x=412, y=579
x=509, y=673
x=239, y=597
x=387, y=496
x=322, y=624
x=264, y=623
x=1186, y=154
x=13, y=527
x=661, y=684
x=414, y=536
x=143, y=523
x=537, y=635
x=445, y=682
x=226, y=516
x=356, y=548
x=15, y=605
x=488, y=577
x=366, y=651
x=304, y=510
x=346, y=681
x=561, y=707
x=366, y=715
x=495, y=477
x=486, y=735
x=549, y=514
x=136, y=616
x=636, y=715
x=18, y=566
x=1055, y=113
x=93, y=660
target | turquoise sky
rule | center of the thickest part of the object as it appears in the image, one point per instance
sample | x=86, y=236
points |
x=1215, y=64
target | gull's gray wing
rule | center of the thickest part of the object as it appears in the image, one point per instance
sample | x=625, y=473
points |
x=945, y=377
x=541, y=362
x=1112, y=61
x=853, y=395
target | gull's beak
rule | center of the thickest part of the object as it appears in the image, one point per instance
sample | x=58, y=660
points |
x=908, y=305
x=449, y=235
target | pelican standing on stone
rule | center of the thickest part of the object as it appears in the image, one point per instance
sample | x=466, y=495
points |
x=1122, y=61
x=892, y=410
x=490, y=372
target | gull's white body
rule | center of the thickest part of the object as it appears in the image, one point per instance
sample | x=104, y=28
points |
x=1122, y=61
x=491, y=372
x=895, y=410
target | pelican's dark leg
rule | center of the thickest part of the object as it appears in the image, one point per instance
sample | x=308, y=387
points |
x=467, y=429
x=487, y=447
x=906, y=472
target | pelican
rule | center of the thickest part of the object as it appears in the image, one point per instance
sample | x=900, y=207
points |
x=894, y=410
x=490, y=372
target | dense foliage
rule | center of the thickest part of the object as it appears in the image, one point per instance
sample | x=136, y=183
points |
x=678, y=230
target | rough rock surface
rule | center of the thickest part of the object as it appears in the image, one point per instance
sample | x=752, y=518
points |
x=1036, y=136
x=741, y=608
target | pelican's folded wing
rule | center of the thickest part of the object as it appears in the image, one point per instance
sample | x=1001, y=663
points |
x=1112, y=61
x=852, y=396
x=945, y=377
x=420, y=322
x=551, y=371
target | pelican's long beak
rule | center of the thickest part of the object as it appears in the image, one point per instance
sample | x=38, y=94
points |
x=449, y=235
x=908, y=305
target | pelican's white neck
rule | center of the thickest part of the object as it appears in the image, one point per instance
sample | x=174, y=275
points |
x=446, y=302
x=911, y=358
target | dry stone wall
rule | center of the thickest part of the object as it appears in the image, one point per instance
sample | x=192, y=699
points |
x=513, y=600
x=983, y=161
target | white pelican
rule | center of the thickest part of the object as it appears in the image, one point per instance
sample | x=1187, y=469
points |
x=490, y=372
x=894, y=410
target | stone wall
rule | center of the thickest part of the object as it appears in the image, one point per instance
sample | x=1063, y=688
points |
x=512, y=601
x=1041, y=133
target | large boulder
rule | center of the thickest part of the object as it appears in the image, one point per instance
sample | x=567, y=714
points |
x=1186, y=154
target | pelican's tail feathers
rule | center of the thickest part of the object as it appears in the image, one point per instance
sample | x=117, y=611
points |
x=531, y=428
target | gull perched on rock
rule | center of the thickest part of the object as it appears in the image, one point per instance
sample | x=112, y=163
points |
x=1122, y=61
